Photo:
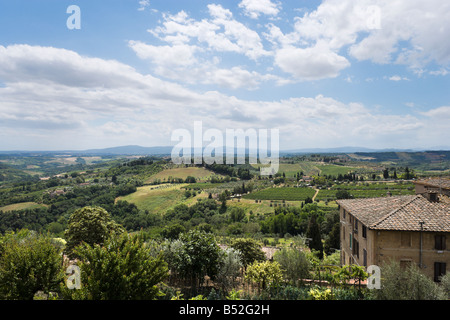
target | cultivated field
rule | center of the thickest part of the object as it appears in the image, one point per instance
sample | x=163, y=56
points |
x=156, y=199
x=21, y=206
x=201, y=174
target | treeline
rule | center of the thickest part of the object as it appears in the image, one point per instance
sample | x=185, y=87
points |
x=242, y=171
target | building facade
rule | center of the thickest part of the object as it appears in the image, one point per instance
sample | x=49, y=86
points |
x=408, y=229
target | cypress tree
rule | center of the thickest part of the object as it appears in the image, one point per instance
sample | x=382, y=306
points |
x=313, y=233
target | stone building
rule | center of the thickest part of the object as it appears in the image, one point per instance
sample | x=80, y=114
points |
x=408, y=229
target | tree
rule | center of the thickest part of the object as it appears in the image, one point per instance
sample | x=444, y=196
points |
x=193, y=256
x=92, y=225
x=313, y=234
x=332, y=241
x=190, y=179
x=343, y=194
x=29, y=263
x=294, y=264
x=237, y=214
x=173, y=231
x=264, y=273
x=407, y=284
x=386, y=173
x=250, y=250
x=229, y=268
x=123, y=268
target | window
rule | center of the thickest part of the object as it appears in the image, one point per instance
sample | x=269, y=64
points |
x=365, y=257
x=351, y=240
x=364, y=231
x=439, y=270
x=439, y=242
x=356, y=226
x=355, y=248
x=433, y=197
x=343, y=213
x=405, y=239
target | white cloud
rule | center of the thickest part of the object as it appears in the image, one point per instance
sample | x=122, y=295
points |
x=398, y=78
x=440, y=72
x=143, y=4
x=423, y=26
x=310, y=63
x=413, y=33
x=221, y=33
x=442, y=113
x=254, y=8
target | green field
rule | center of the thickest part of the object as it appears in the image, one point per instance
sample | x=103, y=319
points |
x=21, y=206
x=287, y=193
x=310, y=168
x=334, y=170
x=156, y=199
x=366, y=190
x=200, y=174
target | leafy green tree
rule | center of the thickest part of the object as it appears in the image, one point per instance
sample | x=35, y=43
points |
x=294, y=263
x=193, y=256
x=313, y=234
x=29, y=263
x=408, y=283
x=230, y=266
x=249, y=249
x=343, y=194
x=123, y=268
x=91, y=225
x=333, y=239
x=264, y=273
x=237, y=214
x=173, y=231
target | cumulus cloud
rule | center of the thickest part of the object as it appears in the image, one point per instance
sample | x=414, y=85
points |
x=254, y=8
x=412, y=33
x=310, y=63
x=122, y=106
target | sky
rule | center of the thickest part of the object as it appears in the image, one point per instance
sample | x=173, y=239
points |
x=331, y=73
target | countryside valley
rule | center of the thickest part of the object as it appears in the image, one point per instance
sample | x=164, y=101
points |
x=232, y=206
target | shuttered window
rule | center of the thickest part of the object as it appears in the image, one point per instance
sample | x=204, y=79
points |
x=439, y=242
x=439, y=270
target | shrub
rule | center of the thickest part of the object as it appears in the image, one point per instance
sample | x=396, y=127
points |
x=29, y=265
x=123, y=268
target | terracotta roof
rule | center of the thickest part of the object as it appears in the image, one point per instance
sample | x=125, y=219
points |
x=443, y=183
x=400, y=213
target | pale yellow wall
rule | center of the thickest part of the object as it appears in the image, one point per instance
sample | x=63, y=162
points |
x=402, y=246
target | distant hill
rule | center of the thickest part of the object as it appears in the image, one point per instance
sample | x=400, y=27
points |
x=130, y=150
x=341, y=150
x=167, y=150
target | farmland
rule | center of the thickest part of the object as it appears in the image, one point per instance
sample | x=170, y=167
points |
x=279, y=193
x=156, y=199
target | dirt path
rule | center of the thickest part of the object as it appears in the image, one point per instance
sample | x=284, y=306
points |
x=314, y=197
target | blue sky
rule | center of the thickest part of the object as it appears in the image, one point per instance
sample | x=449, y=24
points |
x=368, y=73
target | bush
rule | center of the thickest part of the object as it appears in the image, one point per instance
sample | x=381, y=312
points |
x=264, y=274
x=121, y=269
x=407, y=284
x=294, y=263
x=92, y=225
x=29, y=263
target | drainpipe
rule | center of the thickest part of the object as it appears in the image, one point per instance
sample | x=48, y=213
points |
x=420, y=252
